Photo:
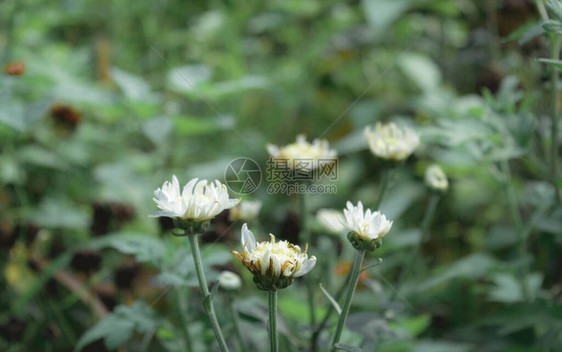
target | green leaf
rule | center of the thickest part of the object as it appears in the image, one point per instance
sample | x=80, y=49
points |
x=158, y=129
x=331, y=299
x=118, y=327
x=527, y=33
x=553, y=27
x=441, y=346
x=381, y=13
x=552, y=62
x=207, y=301
x=186, y=79
x=113, y=330
x=421, y=70
x=473, y=266
x=133, y=87
x=555, y=8
x=415, y=325
x=507, y=288
x=189, y=126
x=345, y=347
x=144, y=247
x=58, y=213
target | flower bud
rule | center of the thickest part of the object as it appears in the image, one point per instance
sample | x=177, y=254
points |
x=229, y=281
x=435, y=179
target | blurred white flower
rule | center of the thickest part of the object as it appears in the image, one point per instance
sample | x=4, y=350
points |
x=366, y=225
x=198, y=201
x=390, y=142
x=274, y=264
x=302, y=150
x=331, y=221
x=436, y=179
x=229, y=281
x=247, y=211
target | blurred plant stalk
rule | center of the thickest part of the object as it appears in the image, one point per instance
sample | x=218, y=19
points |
x=521, y=235
x=555, y=45
x=555, y=55
x=182, y=303
x=207, y=298
x=231, y=301
x=305, y=235
x=425, y=226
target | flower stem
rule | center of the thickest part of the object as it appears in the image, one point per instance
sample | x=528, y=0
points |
x=554, y=54
x=554, y=78
x=384, y=185
x=207, y=303
x=521, y=236
x=185, y=321
x=236, y=323
x=309, y=278
x=353, y=279
x=318, y=330
x=273, y=336
x=426, y=222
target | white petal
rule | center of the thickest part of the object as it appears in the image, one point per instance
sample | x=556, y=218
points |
x=276, y=265
x=248, y=237
x=188, y=188
x=265, y=262
x=163, y=213
x=232, y=203
x=175, y=187
x=307, y=266
x=273, y=150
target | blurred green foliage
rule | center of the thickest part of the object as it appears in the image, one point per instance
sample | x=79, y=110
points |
x=115, y=96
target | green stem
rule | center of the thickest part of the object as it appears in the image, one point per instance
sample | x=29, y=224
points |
x=426, y=222
x=63, y=323
x=316, y=333
x=353, y=279
x=236, y=323
x=384, y=185
x=541, y=9
x=207, y=303
x=185, y=321
x=273, y=336
x=305, y=236
x=518, y=222
x=554, y=54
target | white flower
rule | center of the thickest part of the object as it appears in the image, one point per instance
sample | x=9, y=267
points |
x=229, y=281
x=435, y=178
x=198, y=201
x=247, y=211
x=391, y=142
x=274, y=264
x=366, y=225
x=331, y=221
x=301, y=150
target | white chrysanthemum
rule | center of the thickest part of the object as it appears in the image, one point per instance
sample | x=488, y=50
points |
x=390, y=142
x=229, y=281
x=198, y=201
x=274, y=264
x=435, y=178
x=367, y=225
x=247, y=211
x=319, y=149
x=331, y=221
